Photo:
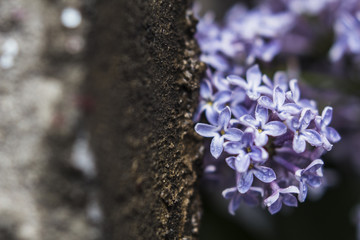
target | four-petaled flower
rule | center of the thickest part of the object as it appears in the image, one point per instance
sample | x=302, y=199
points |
x=281, y=196
x=245, y=179
x=250, y=197
x=278, y=105
x=220, y=132
x=311, y=175
x=252, y=83
x=302, y=134
x=328, y=134
x=245, y=151
x=262, y=127
x=209, y=101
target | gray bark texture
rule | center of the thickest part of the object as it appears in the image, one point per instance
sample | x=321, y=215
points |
x=144, y=74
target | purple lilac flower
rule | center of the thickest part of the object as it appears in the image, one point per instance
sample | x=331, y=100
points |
x=328, y=134
x=219, y=132
x=251, y=197
x=245, y=179
x=252, y=83
x=277, y=104
x=209, y=100
x=311, y=176
x=281, y=196
x=262, y=127
x=245, y=151
x=301, y=132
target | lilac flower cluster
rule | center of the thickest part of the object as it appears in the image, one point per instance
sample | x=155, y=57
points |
x=275, y=27
x=244, y=37
x=263, y=128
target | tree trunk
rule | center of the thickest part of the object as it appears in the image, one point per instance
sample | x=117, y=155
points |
x=144, y=74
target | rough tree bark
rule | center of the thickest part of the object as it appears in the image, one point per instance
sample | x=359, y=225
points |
x=144, y=73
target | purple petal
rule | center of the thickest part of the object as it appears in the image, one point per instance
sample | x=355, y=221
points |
x=264, y=174
x=258, y=190
x=327, y=115
x=234, y=203
x=261, y=139
x=291, y=108
x=313, y=181
x=332, y=135
x=290, y=189
x=303, y=192
x=238, y=81
x=264, y=90
x=216, y=146
x=275, y=207
x=247, y=139
x=244, y=181
x=299, y=144
x=229, y=192
x=224, y=118
x=253, y=95
x=233, y=134
x=242, y=164
x=231, y=162
x=312, y=137
x=206, y=130
x=222, y=97
x=266, y=102
x=206, y=90
x=267, y=81
x=202, y=106
x=216, y=61
x=261, y=114
x=290, y=200
x=211, y=115
x=253, y=76
x=314, y=166
x=275, y=128
x=295, y=91
x=238, y=111
x=293, y=124
x=326, y=144
x=233, y=147
x=305, y=118
x=239, y=95
x=264, y=154
x=220, y=82
x=272, y=199
x=249, y=121
x=278, y=96
x=258, y=154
